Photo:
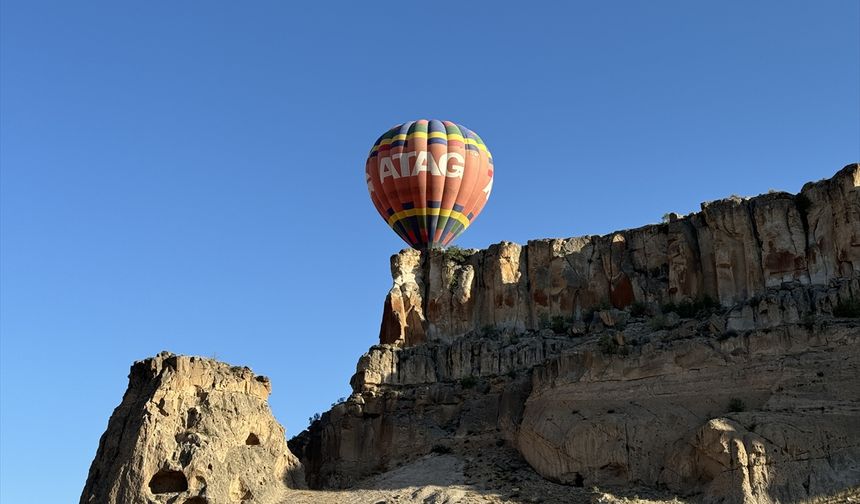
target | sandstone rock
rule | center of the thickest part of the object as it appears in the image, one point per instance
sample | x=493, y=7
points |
x=192, y=430
x=620, y=419
x=541, y=347
x=732, y=250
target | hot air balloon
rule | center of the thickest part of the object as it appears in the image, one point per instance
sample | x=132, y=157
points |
x=429, y=180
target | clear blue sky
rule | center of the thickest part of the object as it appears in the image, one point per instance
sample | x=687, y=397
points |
x=152, y=154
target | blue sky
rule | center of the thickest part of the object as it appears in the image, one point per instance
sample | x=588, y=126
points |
x=152, y=157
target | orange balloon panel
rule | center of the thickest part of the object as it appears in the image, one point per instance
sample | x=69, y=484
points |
x=429, y=180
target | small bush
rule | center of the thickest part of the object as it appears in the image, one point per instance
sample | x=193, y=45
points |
x=559, y=324
x=657, y=322
x=588, y=316
x=455, y=254
x=607, y=345
x=638, y=309
x=440, y=449
x=468, y=382
x=490, y=331
x=736, y=405
x=697, y=308
x=731, y=333
x=592, y=312
x=847, y=309
x=512, y=374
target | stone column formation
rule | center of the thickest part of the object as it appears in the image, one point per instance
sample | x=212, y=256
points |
x=194, y=431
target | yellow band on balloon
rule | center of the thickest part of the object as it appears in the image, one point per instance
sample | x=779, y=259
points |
x=435, y=134
x=412, y=212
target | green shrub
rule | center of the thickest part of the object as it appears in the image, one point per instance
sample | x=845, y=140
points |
x=657, y=322
x=455, y=254
x=490, y=331
x=731, y=333
x=736, y=405
x=638, y=309
x=588, y=316
x=607, y=345
x=847, y=309
x=468, y=382
x=559, y=324
x=697, y=308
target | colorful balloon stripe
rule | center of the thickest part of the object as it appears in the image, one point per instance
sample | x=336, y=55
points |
x=429, y=180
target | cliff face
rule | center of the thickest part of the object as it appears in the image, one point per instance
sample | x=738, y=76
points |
x=731, y=251
x=195, y=431
x=715, y=354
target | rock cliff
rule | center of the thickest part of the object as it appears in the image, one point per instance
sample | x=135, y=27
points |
x=715, y=355
x=194, y=431
x=731, y=251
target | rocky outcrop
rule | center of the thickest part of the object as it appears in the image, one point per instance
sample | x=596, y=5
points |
x=766, y=416
x=714, y=355
x=195, y=431
x=731, y=251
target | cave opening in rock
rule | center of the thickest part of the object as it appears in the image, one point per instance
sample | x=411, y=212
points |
x=166, y=481
x=252, y=440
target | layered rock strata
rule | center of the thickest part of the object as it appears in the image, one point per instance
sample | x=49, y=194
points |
x=732, y=250
x=715, y=355
x=194, y=431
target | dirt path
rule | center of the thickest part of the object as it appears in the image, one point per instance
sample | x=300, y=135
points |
x=495, y=476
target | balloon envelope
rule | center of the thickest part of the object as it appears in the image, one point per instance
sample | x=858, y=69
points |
x=429, y=180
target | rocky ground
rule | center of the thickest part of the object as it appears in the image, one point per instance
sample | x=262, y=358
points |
x=488, y=475
x=492, y=475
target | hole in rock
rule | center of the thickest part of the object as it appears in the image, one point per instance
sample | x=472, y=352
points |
x=578, y=480
x=252, y=439
x=192, y=418
x=166, y=481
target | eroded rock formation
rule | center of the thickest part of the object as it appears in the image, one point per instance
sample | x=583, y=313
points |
x=715, y=355
x=731, y=251
x=196, y=431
